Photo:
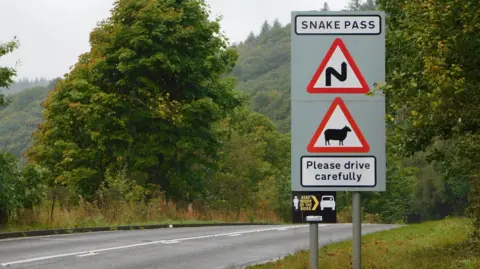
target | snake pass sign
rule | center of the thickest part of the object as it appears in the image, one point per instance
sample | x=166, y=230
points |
x=338, y=132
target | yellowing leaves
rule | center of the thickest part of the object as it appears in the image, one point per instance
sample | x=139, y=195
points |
x=442, y=47
x=435, y=104
x=73, y=104
x=165, y=108
x=389, y=118
x=456, y=67
x=95, y=135
x=172, y=14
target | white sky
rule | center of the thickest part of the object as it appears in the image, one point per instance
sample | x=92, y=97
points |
x=53, y=33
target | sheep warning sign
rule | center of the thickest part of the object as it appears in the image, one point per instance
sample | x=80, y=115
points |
x=338, y=132
x=338, y=73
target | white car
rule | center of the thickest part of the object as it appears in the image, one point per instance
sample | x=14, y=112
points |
x=327, y=202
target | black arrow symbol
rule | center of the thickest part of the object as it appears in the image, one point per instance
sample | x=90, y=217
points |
x=332, y=72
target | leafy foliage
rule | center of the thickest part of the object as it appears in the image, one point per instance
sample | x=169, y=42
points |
x=7, y=73
x=432, y=86
x=254, y=168
x=20, y=189
x=9, y=175
x=143, y=100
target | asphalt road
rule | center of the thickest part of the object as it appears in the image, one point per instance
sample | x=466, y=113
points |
x=175, y=248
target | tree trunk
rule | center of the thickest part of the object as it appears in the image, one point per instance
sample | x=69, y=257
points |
x=239, y=209
x=54, y=196
x=3, y=217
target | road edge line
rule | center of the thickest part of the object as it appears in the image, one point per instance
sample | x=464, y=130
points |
x=36, y=233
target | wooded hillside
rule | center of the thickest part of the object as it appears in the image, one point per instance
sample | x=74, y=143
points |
x=20, y=119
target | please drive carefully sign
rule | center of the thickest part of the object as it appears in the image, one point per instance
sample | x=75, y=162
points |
x=338, y=171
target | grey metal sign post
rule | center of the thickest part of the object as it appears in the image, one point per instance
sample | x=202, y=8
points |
x=338, y=131
x=314, y=245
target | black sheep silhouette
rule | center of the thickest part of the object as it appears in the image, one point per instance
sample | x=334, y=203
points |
x=336, y=134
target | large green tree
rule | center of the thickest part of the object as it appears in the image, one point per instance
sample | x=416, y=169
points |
x=433, y=84
x=143, y=100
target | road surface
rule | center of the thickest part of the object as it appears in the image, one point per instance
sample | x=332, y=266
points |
x=176, y=248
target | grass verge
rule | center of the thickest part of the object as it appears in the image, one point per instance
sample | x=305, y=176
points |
x=434, y=244
x=86, y=215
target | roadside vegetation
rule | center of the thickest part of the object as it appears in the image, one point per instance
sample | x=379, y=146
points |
x=434, y=244
x=87, y=214
x=157, y=211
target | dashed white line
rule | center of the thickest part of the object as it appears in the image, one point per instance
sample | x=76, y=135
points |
x=166, y=241
x=87, y=254
x=169, y=241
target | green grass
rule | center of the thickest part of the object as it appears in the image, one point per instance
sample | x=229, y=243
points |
x=434, y=244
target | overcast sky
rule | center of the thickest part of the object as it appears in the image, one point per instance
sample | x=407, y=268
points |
x=53, y=33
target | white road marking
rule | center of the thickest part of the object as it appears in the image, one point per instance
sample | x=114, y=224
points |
x=232, y=235
x=87, y=254
x=96, y=251
x=169, y=241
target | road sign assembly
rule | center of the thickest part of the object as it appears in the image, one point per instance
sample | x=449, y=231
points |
x=338, y=140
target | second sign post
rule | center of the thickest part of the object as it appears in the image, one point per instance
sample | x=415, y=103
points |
x=337, y=125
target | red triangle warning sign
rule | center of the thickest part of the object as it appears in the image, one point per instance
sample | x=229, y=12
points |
x=338, y=73
x=338, y=132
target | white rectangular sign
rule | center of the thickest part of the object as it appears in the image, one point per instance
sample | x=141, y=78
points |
x=338, y=25
x=338, y=171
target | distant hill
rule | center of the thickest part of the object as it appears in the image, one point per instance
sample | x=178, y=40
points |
x=24, y=83
x=20, y=119
x=263, y=71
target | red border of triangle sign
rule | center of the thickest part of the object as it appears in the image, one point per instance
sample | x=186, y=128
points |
x=338, y=102
x=338, y=43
